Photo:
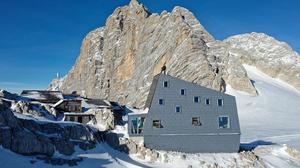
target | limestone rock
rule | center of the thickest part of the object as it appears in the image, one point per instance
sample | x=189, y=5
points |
x=118, y=61
x=103, y=117
x=125, y=54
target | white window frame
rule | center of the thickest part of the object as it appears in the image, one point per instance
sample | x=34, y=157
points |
x=229, y=122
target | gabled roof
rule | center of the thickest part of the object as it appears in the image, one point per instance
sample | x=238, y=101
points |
x=97, y=103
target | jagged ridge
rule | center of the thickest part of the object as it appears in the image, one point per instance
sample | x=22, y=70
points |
x=119, y=60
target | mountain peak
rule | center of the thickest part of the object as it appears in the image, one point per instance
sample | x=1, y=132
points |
x=131, y=48
x=134, y=2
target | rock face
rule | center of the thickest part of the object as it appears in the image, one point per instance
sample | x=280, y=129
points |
x=118, y=61
x=30, y=137
x=276, y=59
x=6, y=95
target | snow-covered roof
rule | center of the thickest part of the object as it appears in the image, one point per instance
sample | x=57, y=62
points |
x=96, y=103
x=138, y=111
x=58, y=103
x=42, y=95
x=78, y=114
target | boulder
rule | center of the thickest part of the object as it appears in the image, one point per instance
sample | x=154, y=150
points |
x=112, y=139
x=27, y=143
x=104, y=117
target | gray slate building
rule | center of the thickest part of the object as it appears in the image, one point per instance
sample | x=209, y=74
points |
x=186, y=117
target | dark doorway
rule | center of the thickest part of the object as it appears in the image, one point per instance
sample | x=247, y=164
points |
x=80, y=119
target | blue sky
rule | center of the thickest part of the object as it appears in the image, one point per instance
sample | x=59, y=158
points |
x=39, y=38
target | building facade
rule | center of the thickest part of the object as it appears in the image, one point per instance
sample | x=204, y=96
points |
x=68, y=105
x=186, y=117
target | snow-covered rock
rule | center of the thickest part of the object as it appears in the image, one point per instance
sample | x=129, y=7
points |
x=31, y=136
x=275, y=58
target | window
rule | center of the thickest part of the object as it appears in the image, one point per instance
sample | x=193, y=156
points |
x=166, y=84
x=156, y=124
x=137, y=125
x=196, y=121
x=224, y=122
x=196, y=99
x=161, y=101
x=178, y=109
x=72, y=118
x=220, y=102
x=182, y=92
x=207, y=101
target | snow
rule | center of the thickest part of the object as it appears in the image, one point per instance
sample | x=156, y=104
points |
x=101, y=156
x=104, y=156
x=137, y=111
x=273, y=115
x=278, y=157
x=267, y=121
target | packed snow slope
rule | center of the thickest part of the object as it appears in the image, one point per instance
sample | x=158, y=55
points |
x=273, y=115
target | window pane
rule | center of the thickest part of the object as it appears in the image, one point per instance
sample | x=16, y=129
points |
x=196, y=99
x=207, y=101
x=161, y=101
x=196, y=121
x=220, y=102
x=156, y=124
x=134, y=126
x=224, y=122
x=140, y=124
x=178, y=109
x=182, y=91
x=166, y=84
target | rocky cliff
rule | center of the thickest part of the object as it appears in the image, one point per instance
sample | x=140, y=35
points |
x=118, y=61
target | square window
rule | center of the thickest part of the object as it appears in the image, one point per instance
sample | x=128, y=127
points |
x=196, y=121
x=182, y=92
x=207, y=101
x=156, y=124
x=178, y=109
x=196, y=99
x=161, y=101
x=166, y=84
x=220, y=102
x=137, y=125
x=224, y=122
